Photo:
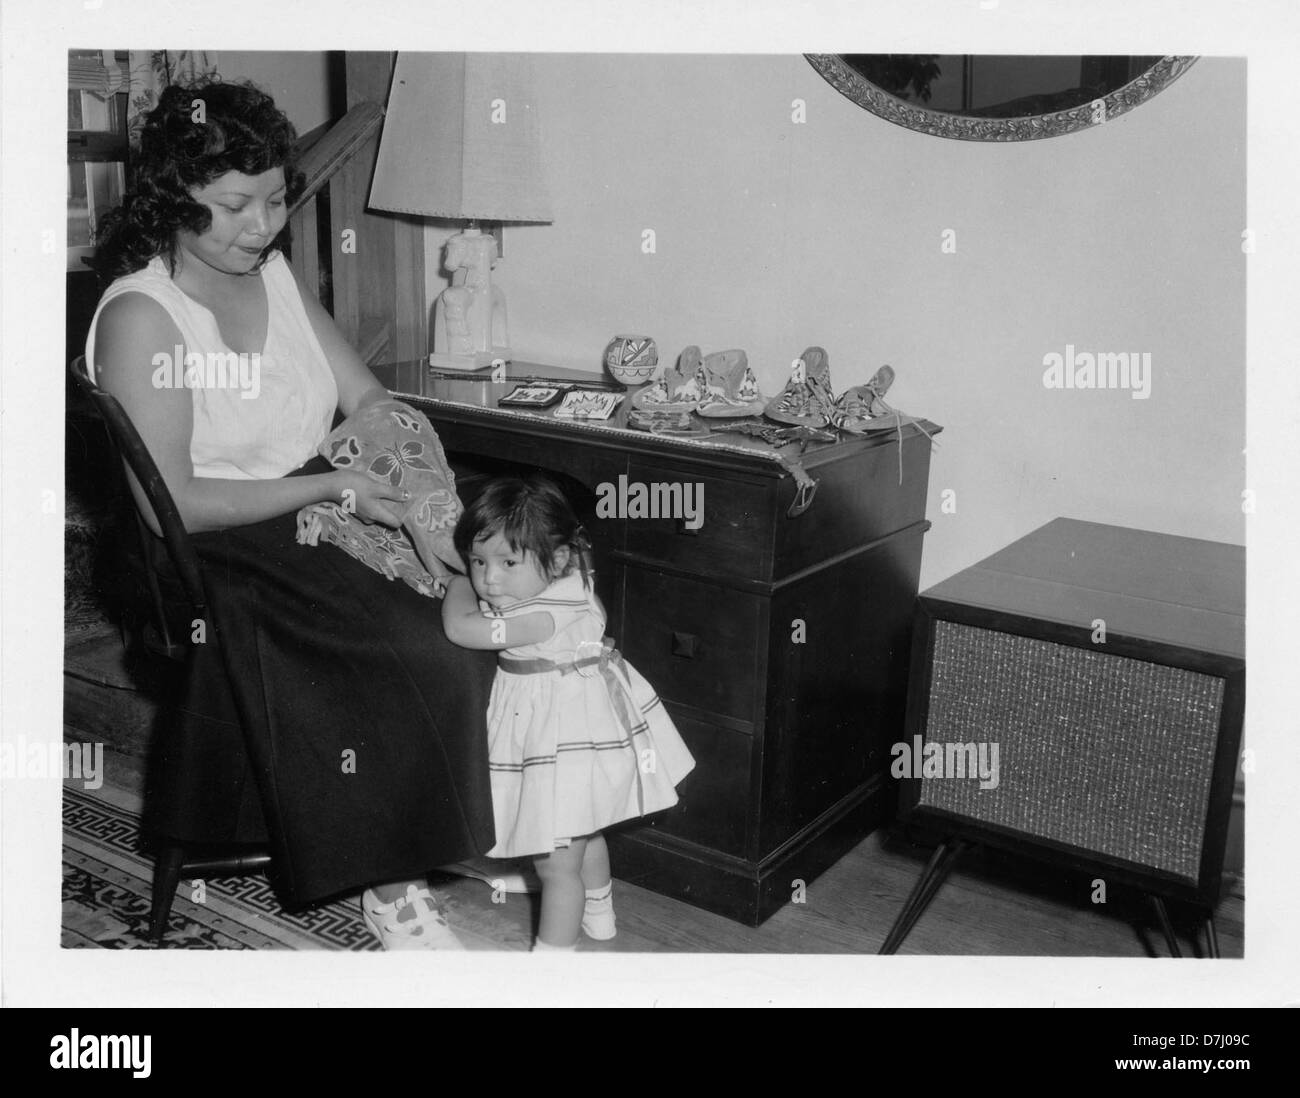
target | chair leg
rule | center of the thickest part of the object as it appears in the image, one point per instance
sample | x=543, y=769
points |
x=166, y=879
x=1166, y=926
x=1211, y=937
x=941, y=864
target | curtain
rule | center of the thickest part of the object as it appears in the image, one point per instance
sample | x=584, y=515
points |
x=153, y=70
x=142, y=74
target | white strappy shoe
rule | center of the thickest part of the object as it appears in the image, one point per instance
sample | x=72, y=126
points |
x=427, y=930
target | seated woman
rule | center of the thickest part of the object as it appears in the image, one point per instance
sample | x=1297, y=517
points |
x=364, y=727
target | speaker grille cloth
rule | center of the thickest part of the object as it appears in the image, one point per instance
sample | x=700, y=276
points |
x=1103, y=752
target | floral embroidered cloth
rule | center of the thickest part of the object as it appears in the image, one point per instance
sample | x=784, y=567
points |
x=392, y=442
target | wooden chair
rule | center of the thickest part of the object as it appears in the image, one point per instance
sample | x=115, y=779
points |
x=161, y=639
x=380, y=310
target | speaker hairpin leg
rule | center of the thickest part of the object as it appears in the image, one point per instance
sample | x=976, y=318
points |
x=1166, y=926
x=936, y=872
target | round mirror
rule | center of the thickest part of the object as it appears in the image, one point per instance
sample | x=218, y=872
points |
x=997, y=98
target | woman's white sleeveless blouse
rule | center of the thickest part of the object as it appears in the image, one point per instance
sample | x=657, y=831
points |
x=265, y=420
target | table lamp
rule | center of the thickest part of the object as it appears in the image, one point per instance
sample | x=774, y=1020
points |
x=461, y=142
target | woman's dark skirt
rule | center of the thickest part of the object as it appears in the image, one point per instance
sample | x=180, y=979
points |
x=332, y=716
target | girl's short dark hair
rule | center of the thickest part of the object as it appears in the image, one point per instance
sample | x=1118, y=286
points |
x=533, y=515
x=182, y=146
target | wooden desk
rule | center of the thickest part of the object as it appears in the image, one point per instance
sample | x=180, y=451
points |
x=778, y=641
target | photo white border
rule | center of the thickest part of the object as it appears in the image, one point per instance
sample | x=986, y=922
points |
x=35, y=36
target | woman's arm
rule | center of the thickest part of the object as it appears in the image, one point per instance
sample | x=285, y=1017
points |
x=130, y=330
x=465, y=624
x=357, y=385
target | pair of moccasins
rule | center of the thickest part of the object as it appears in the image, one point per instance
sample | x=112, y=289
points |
x=717, y=386
x=722, y=385
x=808, y=400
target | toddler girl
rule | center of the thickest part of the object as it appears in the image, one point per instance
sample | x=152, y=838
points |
x=577, y=739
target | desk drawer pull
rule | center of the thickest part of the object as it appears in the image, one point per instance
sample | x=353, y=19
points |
x=685, y=645
x=697, y=643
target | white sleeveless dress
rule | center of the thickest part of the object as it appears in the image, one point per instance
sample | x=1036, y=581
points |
x=235, y=436
x=563, y=763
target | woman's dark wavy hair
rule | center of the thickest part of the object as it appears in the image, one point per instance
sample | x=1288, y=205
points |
x=534, y=516
x=242, y=130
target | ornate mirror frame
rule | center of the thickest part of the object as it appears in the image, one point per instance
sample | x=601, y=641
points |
x=853, y=85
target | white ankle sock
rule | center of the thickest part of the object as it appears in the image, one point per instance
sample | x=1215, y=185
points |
x=598, y=913
x=540, y=946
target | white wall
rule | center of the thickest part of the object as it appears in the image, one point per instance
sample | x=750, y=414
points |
x=296, y=81
x=772, y=236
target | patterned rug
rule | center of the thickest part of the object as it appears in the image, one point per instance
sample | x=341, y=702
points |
x=107, y=881
x=106, y=886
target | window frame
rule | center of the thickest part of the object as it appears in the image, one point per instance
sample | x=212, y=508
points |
x=98, y=146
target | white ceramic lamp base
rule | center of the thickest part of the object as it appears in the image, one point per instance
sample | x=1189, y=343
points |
x=469, y=320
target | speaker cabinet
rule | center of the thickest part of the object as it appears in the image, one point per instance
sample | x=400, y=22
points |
x=1078, y=697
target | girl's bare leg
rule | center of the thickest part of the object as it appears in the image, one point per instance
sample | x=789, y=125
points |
x=595, y=863
x=563, y=893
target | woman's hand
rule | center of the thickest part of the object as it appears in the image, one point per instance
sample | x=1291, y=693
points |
x=367, y=498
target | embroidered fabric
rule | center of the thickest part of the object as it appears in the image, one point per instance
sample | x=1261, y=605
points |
x=392, y=442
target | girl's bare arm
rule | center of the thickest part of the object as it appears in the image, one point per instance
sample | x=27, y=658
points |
x=465, y=624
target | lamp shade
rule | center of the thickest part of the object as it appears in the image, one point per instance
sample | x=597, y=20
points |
x=461, y=140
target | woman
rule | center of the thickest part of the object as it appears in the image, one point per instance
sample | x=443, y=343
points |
x=363, y=724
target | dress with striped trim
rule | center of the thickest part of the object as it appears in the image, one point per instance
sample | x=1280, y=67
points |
x=563, y=762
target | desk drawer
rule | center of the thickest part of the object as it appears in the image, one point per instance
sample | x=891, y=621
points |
x=697, y=644
x=736, y=536
x=715, y=797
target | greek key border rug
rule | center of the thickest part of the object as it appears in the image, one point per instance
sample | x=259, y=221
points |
x=106, y=888
x=107, y=881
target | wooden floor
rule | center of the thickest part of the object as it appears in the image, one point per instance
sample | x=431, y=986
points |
x=989, y=907
x=986, y=908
